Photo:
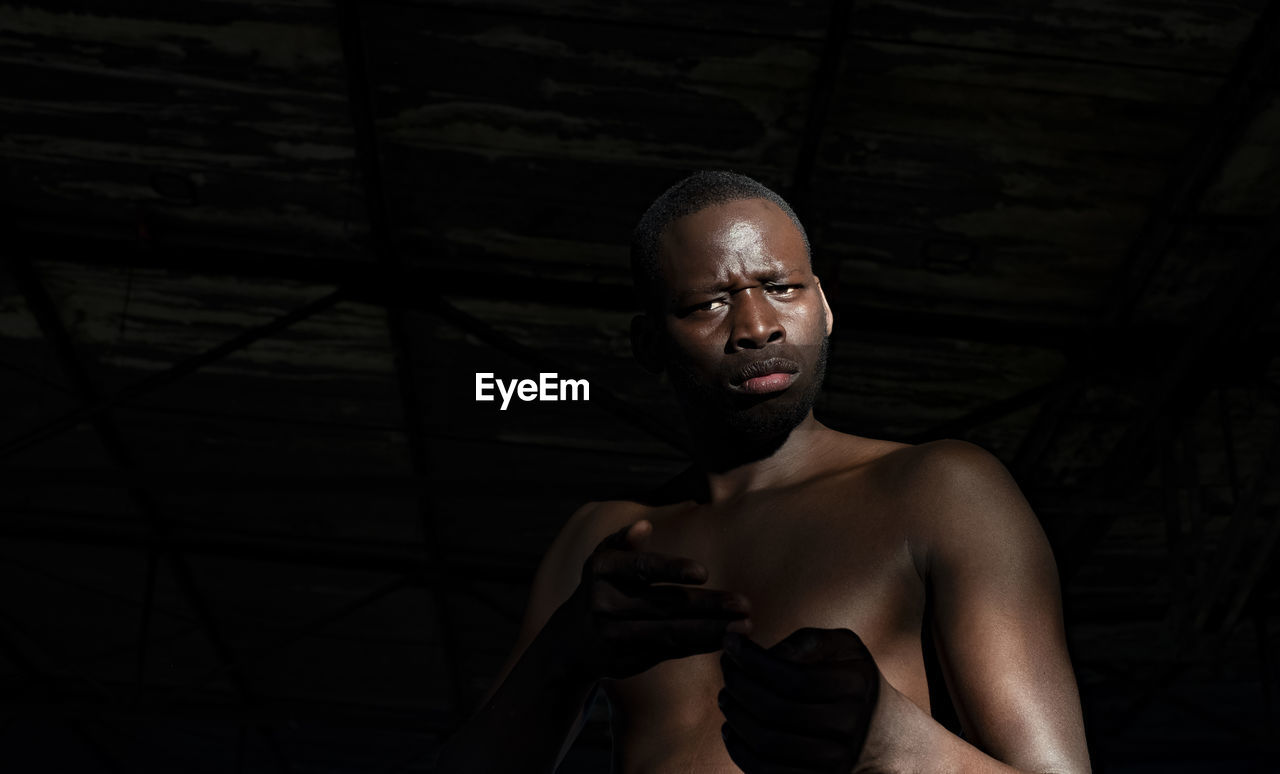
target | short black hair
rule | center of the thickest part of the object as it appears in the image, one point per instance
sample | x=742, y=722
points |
x=694, y=193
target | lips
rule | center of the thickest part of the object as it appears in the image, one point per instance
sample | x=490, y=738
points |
x=768, y=375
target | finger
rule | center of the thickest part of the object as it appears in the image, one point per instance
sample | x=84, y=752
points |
x=810, y=645
x=772, y=743
x=665, y=602
x=838, y=720
x=628, y=538
x=642, y=567
x=818, y=682
x=750, y=761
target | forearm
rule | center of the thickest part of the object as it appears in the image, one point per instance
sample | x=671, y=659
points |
x=524, y=724
x=915, y=743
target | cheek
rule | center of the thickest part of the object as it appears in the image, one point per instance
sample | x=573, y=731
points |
x=806, y=322
x=688, y=339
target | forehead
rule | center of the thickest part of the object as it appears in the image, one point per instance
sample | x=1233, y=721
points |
x=735, y=241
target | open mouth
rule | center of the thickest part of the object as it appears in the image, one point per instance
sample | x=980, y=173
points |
x=764, y=376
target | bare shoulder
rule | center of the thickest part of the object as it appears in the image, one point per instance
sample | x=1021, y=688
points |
x=955, y=496
x=946, y=473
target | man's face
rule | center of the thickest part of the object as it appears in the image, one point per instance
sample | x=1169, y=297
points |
x=745, y=320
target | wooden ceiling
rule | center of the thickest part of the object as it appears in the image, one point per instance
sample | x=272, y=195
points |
x=256, y=252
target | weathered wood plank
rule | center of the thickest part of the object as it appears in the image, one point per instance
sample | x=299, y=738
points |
x=1196, y=35
x=1249, y=183
x=645, y=104
x=805, y=19
x=205, y=121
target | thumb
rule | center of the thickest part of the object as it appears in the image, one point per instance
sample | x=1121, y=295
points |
x=631, y=537
x=638, y=534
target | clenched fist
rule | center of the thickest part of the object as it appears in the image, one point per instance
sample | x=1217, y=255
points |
x=804, y=705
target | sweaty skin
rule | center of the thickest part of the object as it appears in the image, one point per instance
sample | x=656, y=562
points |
x=820, y=530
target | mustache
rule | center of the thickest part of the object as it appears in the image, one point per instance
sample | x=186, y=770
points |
x=768, y=365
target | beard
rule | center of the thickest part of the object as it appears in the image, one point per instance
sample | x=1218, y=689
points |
x=750, y=420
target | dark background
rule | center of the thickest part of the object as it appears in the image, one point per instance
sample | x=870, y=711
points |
x=254, y=254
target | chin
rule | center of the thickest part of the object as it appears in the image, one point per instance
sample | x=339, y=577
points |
x=749, y=418
x=746, y=419
x=770, y=418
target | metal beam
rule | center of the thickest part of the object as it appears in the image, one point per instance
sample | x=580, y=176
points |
x=96, y=406
x=1203, y=635
x=361, y=101
x=1236, y=305
x=1237, y=539
x=46, y=314
x=46, y=690
x=1246, y=90
x=250, y=657
x=826, y=79
x=389, y=286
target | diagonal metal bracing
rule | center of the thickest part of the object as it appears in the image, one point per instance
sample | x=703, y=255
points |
x=46, y=314
x=253, y=656
x=11, y=651
x=1235, y=306
x=1176, y=478
x=1239, y=563
x=97, y=405
x=378, y=285
x=315, y=626
x=1245, y=91
x=824, y=87
x=1238, y=541
x=1243, y=95
x=1249, y=85
x=360, y=98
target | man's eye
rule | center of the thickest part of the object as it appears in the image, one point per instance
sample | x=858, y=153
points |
x=781, y=290
x=710, y=305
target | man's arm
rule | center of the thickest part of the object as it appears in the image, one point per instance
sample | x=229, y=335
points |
x=998, y=625
x=614, y=611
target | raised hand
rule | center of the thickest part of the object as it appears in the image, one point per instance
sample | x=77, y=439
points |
x=634, y=609
x=804, y=705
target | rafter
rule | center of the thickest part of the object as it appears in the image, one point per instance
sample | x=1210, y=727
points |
x=46, y=314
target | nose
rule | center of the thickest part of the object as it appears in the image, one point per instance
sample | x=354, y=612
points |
x=755, y=321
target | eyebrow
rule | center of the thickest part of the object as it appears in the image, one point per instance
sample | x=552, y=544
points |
x=771, y=276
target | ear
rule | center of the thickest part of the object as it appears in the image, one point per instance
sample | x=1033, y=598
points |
x=825, y=306
x=646, y=343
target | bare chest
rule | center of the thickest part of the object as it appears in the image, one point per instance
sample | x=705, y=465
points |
x=812, y=561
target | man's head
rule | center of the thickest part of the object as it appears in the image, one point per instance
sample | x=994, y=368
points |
x=696, y=192
x=733, y=310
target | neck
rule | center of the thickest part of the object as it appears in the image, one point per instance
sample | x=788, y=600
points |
x=733, y=468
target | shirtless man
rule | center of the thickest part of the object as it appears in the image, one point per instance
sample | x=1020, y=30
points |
x=762, y=613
